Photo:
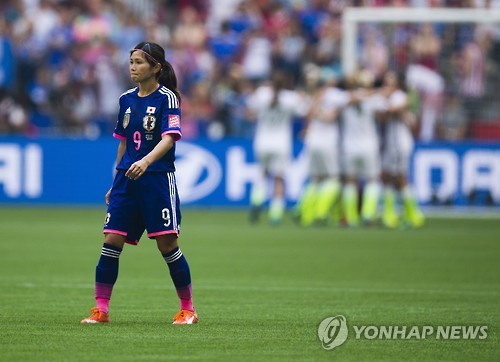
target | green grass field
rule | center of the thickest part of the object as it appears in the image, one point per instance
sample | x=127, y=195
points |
x=260, y=291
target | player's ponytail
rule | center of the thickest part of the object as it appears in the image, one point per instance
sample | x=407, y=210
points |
x=154, y=55
x=168, y=78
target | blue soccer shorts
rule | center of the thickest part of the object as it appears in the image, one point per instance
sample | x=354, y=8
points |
x=149, y=203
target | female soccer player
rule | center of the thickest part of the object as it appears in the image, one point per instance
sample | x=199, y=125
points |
x=274, y=108
x=360, y=150
x=397, y=150
x=144, y=192
x=321, y=146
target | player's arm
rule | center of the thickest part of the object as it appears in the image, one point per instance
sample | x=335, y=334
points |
x=122, y=146
x=138, y=168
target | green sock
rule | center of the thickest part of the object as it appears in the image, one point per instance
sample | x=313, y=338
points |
x=327, y=196
x=413, y=214
x=350, y=203
x=337, y=212
x=308, y=204
x=370, y=201
x=409, y=202
x=389, y=201
x=276, y=209
x=257, y=195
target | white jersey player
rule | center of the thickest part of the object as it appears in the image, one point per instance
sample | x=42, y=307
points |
x=397, y=150
x=321, y=145
x=361, y=154
x=274, y=108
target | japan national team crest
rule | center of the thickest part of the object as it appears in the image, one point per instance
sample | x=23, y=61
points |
x=126, y=118
x=148, y=122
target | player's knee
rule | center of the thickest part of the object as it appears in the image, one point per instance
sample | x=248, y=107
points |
x=115, y=240
x=166, y=243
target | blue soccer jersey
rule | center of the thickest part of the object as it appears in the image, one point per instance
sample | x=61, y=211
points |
x=142, y=121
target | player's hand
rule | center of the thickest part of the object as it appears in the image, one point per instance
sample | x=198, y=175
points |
x=137, y=169
x=106, y=197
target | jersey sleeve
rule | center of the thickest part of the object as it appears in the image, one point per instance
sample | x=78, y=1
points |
x=171, y=122
x=119, y=131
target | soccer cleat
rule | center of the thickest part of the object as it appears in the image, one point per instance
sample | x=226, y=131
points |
x=185, y=317
x=390, y=221
x=96, y=317
x=417, y=219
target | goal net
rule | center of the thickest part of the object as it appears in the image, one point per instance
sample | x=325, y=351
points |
x=450, y=59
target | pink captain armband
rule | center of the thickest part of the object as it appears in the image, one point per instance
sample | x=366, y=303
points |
x=119, y=136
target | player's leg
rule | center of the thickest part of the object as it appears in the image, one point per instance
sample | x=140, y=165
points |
x=306, y=195
x=350, y=202
x=412, y=214
x=371, y=191
x=122, y=223
x=106, y=274
x=306, y=206
x=277, y=170
x=277, y=204
x=350, y=196
x=162, y=216
x=330, y=187
x=390, y=217
x=328, y=195
x=258, y=192
x=181, y=277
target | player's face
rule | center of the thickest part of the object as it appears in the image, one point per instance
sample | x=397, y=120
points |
x=140, y=70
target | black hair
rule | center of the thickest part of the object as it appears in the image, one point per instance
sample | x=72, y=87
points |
x=155, y=54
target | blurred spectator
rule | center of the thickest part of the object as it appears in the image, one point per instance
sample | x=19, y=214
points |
x=245, y=17
x=289, y=50
x=230, y=98
x=60, y=51
x=429, y=85
x=256, y=59
x=7, y=60
x=225, y=45
x=76, y=109
x=452, y=122
x=473, y=72
x=190, y=31
x=425, y=47
x=13, y=118
x=374, y=55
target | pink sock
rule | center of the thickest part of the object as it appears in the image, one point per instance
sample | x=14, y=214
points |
x=103, y=305
x=185, y=295
x=102, y=294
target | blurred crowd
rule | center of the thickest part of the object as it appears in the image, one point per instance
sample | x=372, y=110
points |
x=64, y=63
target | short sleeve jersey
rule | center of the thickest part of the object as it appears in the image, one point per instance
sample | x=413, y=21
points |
x=143, y=121
x=274, y=124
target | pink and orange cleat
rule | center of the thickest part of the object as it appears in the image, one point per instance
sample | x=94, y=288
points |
x=96, y=317
x=185, y=317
